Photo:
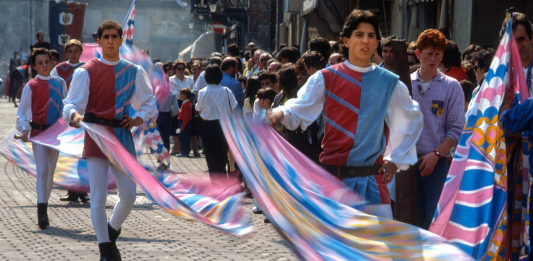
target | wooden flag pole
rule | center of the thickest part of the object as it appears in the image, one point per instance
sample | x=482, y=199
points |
x=405, y=196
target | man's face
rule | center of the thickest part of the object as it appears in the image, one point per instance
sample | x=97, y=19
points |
x=204, y=65
x=525, y=47
x=110, y=43
x=468, y=57
x=257, y=55
x=74, y=53
x=54, y=62
x=267, y=83
x=195, y=69
x=264, y=59
x=387, y=55
x=43, y=65
x=250, y=46
x=273, y=68
x=302, y=77
x=40, y=38
x=362, y=44
x=430, y=58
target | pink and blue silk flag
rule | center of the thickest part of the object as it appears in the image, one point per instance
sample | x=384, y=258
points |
x=483, y=206
x=71, y=169
x=224, y=214
x=320, y=217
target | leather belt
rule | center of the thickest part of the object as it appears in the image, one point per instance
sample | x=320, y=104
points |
x=91, y=118
x=41, y=127
x=344, y=172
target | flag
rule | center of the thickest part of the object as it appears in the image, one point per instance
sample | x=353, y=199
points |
x=319, y=216
x=127, y=26
x=71, y=170
x=483, y=205
x=225, y=214
x=66, y=22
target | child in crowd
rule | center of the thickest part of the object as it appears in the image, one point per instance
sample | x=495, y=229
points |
x=184, y=118
x=252, y=86
x=41, y=105
x=265, y=97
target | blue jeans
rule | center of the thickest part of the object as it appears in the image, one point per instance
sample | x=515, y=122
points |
x=428, y=190
x=185, y=138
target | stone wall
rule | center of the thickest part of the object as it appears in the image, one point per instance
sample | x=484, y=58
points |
x=261, y=23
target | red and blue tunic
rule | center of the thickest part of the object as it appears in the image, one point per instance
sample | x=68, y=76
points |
x=65, y=71
x=355, y=133
x=46, y=101
x=110, y=91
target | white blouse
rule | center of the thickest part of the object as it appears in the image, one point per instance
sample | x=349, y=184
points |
x=24, y=114
x=213, y=99
x=143, y=99
x=178, y=84
x=404, y=118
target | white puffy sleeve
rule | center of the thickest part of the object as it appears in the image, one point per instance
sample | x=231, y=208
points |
x=54, y=72
x=78, y=94
x=305, y=109
x=405, y=122
x=24, y=114
x=143, y=99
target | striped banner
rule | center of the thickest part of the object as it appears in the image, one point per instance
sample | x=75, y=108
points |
x=316, y=213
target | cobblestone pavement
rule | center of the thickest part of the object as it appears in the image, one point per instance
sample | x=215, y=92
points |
x=149, y=233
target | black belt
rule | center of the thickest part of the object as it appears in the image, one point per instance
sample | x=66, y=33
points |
x=91, y=118
x=344, y=172
x=41, y=127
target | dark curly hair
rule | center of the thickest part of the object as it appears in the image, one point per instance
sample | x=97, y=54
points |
x=353, y=21
x=287, y=79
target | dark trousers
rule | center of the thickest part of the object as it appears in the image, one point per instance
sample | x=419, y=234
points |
x=164, y=124
x=215, y=148
x=15, y=80
x=185, y=138
x=428, y=190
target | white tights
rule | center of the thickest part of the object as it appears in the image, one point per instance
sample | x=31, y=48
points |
x=98, y=169
x=45, y=161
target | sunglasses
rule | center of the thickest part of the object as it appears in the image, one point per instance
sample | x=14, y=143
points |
x=180, y=69
x=264, y=59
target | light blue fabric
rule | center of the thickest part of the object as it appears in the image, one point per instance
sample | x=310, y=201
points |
x=55, y=102
x=366, y=187
x=123, y=100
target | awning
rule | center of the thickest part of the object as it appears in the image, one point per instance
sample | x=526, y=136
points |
x=186, y=53
x=309, y=6
x=204, y=46
x=334, y=12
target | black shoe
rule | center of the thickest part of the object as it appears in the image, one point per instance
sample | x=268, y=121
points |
x=84, y=198
x=113, y=235
x=42, y=215
x=266, y=220
x=71, y=196
x=106, y=251
x=257, y=211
